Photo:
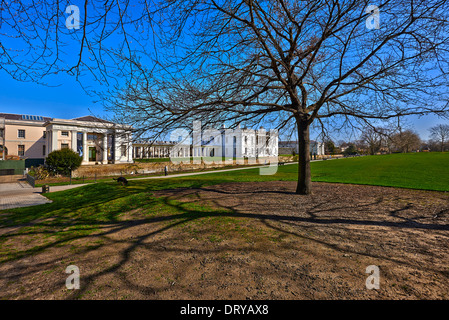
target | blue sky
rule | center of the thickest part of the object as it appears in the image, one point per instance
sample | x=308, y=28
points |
x=69, y=101
x=66, y=101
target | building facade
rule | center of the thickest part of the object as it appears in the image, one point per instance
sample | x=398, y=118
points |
x=34, y=137
x=236, y=143
x=158, y=149
x=288, y=147
x=214, y=144
x=101, y=142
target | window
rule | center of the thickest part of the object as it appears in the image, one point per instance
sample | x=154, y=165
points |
x=45, y=134
x=21, y=150
x=21, y=133
x=43, y=150
x=123, y=150
x=64, y=133
x=64, y=145
x=91, y=137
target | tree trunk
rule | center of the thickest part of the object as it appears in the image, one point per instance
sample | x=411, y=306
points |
x=304, y=175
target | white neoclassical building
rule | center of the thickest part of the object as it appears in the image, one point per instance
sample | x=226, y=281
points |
x=213, y=144
x=236, y=143
x=288, y=147
x=96, y=140
x=159, y=149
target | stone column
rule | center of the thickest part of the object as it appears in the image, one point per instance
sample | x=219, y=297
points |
x=85, y=149
x=129, y=145
x=74, y=140
x=105, y=148
x=54, y=140
x=47, y=143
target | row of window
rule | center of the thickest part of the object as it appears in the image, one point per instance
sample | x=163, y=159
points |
x=21, y=149
x=21, y=133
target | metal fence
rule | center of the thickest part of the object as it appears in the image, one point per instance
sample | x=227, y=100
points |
x=30, y=180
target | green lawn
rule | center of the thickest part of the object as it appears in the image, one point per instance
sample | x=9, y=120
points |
x=78, y=212
x=427, y=171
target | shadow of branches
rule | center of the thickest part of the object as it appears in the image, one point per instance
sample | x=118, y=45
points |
x=139, y=217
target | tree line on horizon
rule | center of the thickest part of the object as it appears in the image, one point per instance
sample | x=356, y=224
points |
x=375, y=140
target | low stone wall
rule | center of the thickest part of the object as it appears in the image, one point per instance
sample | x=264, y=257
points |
x=11, y=178
x=103, y=170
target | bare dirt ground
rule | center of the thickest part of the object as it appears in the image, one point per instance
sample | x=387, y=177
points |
x=267, y=243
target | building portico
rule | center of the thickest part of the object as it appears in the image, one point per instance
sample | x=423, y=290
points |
x=96, y=140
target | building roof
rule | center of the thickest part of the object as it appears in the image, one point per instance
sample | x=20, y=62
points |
x=26, y=117
x=91, y=119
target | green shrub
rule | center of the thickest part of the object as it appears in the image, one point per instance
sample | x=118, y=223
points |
x=39, y=173
x=63, y=161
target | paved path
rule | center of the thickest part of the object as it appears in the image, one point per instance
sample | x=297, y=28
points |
x=12, y=196
x=21, y=194
x=14, y=186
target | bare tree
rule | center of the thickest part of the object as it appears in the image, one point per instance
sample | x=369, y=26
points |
x=374, y=139
x=279, y=62
x=440, y=133
x=405, y=141
x=297, y=61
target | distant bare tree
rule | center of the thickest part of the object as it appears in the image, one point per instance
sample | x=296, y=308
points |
x=440, y=133
x=405, y=141
x=286, y=63
x=374, y=138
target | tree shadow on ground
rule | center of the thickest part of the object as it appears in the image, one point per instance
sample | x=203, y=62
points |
x=97, y=211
